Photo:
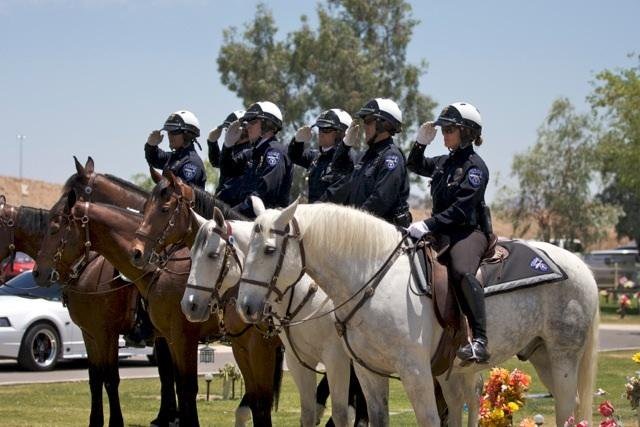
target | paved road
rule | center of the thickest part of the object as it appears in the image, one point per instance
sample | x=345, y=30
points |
x=611, y=337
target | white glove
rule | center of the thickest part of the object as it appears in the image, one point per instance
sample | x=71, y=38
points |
x=426, y=133
x=214, y=134
x=303, y=134
x=155, y=138
x=352, y=136
x=233, y=134
x=418, y=229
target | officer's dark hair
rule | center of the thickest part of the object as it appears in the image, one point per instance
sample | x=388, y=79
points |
x=268, y=125
x=383, y=125
x=468, y=136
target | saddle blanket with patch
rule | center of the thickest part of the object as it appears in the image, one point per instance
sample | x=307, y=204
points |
x=516, y=265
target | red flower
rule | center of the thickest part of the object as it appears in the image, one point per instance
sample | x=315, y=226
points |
x=582, y=424
x=606, y=409
x=608, y=422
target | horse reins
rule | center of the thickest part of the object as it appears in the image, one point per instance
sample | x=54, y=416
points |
x=9, y=222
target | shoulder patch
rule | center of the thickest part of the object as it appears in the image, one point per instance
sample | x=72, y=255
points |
x=273, y=158
x=475, y=177
x=189, y=171
x=391, y=161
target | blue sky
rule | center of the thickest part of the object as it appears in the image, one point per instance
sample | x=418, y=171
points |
x=95, y=77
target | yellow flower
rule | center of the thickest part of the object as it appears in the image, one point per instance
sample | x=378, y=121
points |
x=636, y=357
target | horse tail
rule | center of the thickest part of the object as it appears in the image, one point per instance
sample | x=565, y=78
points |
x=588, y=370
x=277, y=376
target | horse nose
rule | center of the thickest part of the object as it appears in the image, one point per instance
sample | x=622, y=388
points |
x=136, y=257
x=41, y=277
x=248, y=311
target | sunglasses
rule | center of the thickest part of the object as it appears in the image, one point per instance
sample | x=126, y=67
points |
x=368, y=119
x=326, y=130
x=175, y=132
x=449, y=129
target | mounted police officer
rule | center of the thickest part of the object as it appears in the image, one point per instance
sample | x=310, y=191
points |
x=230, y=172
x=459, y=217
x=379, y=183
x=331, y=161
x=183, y=128
x=268, y=172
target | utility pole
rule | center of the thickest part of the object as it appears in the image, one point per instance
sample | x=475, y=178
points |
x=21, y=139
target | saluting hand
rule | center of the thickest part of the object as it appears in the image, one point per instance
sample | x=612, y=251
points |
x=214, y=134
x=352, y=136
x=233, y=134
x=426, y=133
x=303, y=134
x=155, y=138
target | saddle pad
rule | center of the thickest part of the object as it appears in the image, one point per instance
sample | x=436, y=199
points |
x=525, y=266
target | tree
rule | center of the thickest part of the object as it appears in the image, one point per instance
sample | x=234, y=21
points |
x=616, y=101
x=554, y=179
x=357, y=52
x=144, y=180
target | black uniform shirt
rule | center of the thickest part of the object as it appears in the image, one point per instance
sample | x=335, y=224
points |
x=183, y=162
x=324, y=168
x=231, y=170
x=379, y=183
x=458, y=184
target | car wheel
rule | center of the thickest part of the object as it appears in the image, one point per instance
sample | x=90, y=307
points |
x=40, y=348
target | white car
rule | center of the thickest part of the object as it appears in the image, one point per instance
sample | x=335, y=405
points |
x=37, y=330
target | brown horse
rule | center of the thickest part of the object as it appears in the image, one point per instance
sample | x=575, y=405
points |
x=90, y=301
x=113, y=190
x=109, y=230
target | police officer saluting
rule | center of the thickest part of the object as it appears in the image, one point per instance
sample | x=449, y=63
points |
x=183, y=128
x=230, y=172
x=331, y=161
x=379, y=183
x=459, y=220
x=268, y=171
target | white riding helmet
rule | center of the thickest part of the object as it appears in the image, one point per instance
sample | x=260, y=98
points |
x=461, y=114
x=264, y=110
x=182, y=120
x=236, y=115
x=385, y=109
x=334, y=118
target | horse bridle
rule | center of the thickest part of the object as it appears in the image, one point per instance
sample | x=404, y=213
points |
x=230, y=250
x=271, y=285
x=79, y=264
x=156, y=257
x=9, y=223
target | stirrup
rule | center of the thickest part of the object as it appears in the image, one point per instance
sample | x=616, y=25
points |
x=475, y=351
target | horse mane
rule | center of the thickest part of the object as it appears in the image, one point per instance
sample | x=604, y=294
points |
x=33, y=220
x=201, y=237
x=121, y=210
x=351, y=232
x=128, y=185
x=205, y=202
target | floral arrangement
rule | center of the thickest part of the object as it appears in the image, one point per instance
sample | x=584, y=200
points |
x=502, y=396
x=633, y=387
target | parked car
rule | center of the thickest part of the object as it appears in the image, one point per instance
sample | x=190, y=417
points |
x=22, y=262
x=609, y=265
x=36, y=329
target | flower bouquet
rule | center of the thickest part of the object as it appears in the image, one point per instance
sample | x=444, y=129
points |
x=502, y=396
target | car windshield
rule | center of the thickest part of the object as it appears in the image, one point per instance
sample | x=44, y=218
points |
x=24, y=285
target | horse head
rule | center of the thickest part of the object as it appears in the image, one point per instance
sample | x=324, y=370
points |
x=65, y=244
x=216, y=266
x=167, y=217
x=273, y=264
x=8, y=220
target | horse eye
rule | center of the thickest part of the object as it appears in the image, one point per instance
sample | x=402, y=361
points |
x=165, y=208
x=213, y=255
x=54, y=228
x=269, y=250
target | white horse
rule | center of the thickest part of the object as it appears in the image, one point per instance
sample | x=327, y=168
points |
x=215, y=269
x=397, y=331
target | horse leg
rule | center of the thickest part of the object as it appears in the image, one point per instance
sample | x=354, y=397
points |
x=251, y=387
x=376, y=392
x=338, y=366
x=99, y=355
x=457, y=390
x=184, y=352
x=111, y=378
x=305, y=380
x=418, y=384
x=243, y=411
x=541, y=363
x=564, y=370
x=356, y=399
x=96, y=418
x=168, y=412
x=322, y=394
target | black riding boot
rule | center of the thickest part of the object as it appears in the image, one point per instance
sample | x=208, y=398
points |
x=142, y=331
x=471, y=297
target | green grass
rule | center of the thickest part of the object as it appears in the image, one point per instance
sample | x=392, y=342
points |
x=67, y=404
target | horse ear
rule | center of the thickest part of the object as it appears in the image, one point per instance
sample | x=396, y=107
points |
x=79, y=167
x=218, y=217
x=287, y=215
x=71, y=201
x=3, y=201
x=155, y=176
x=89, y=166
x=258, y=205
x=169, y=176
